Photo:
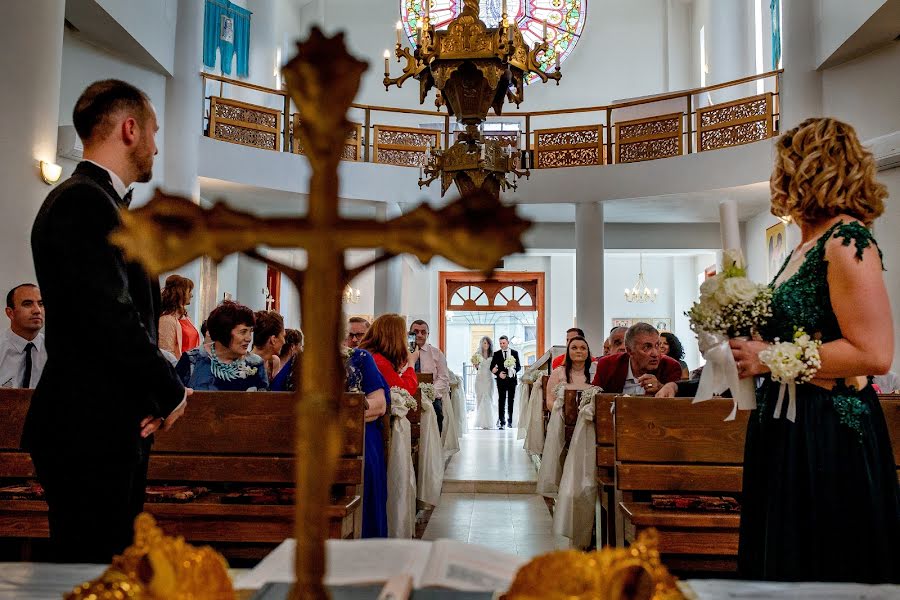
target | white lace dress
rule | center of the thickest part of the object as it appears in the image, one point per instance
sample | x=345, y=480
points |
x=485, y=397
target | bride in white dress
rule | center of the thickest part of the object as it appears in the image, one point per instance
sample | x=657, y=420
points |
x=485, y=405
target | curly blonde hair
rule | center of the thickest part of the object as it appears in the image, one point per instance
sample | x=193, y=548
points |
x=821, y=171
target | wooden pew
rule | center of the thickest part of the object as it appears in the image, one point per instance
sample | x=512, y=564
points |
x=226, y=441
x=671, y=446
x=606, y=460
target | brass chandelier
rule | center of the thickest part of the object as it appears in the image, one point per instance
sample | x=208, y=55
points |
x=474, y=68
x=640, y=292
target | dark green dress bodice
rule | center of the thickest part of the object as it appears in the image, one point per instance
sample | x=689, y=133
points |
x=804, y=299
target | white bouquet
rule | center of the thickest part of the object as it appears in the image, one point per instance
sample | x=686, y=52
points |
x=730, y=306
x=428, y=393
x=476, y=359
x=792, y=363
x=510, y=363
x=401, y=397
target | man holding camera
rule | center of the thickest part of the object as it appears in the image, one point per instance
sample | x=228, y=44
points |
x=431, y=360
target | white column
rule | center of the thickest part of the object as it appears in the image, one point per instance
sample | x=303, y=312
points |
x=801, y=83
x=730, y=46
x=182, y=130
x=589, y=271
x=31, y=63
x=730, y=225
x=389, y=275
x=263, y=45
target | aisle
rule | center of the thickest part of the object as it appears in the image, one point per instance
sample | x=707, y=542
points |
x=513, y=523
x=492, y=461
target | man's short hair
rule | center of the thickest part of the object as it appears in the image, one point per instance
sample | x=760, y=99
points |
x=11, y=295
x=268, y=323
x=615, y=329
x=636, y=330
x=93, y=115
x=503, y=337
x=580, y=332
x=360, y=320
x=420, y=322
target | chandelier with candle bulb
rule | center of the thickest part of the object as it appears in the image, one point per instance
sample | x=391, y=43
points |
x=640, y=292
x=475, y=68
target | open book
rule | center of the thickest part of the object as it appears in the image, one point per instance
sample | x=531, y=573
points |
x=444, y=563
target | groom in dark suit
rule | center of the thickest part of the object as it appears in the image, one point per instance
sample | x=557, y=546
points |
x=95, y=409
x=506, y=378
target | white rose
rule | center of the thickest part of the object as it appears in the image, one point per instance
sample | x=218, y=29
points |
x=733, y=257
x=708, y=287
x=740, y=289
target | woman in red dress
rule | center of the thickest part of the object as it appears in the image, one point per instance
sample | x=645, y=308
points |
x=386, y=341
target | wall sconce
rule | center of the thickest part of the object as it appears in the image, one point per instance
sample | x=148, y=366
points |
x=50, y=172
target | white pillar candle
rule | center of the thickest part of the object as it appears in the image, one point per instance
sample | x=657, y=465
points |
x=399, y=30
x=387, y=66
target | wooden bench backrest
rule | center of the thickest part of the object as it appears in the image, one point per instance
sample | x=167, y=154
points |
x=244, y=437
x=603, y=430
x=654, y=435
x=890, y=405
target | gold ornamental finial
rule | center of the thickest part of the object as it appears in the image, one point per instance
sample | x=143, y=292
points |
x=159, y=567
x=633, y=573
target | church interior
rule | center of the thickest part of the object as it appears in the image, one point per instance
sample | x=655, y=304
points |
x=481, y=199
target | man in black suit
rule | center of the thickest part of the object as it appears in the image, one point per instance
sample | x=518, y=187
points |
x=506, y=378
x=105, y=388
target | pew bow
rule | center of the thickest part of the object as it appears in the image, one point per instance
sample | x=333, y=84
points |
x=720, y=373
x=573, y=516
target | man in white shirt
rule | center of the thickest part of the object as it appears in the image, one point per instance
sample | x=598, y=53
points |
x=431, y=360
x=22, y=350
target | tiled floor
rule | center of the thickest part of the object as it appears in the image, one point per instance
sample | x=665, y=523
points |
x=507, y=515
x=491, y=455
x=513, y=523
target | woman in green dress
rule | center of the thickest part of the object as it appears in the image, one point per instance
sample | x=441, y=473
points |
x=821, y=500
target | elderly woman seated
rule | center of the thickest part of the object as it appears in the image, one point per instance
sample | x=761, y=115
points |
x=226, y=364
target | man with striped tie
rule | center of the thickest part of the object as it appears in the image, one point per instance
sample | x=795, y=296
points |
x=22, y=350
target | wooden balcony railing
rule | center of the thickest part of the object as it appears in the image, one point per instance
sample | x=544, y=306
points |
x=651, y=128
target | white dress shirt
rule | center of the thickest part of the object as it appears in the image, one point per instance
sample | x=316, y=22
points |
x=632, y=387
x=12, y=359
x=432, y=360
x=117, y=182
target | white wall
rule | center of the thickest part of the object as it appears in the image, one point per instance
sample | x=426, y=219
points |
x=83, y=64
x=838, y=20
x=754, y=244
x=887, y=233
x=151, y=23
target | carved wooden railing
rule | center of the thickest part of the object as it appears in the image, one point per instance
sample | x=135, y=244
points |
x=655, y=127
x=403, y=146
x=649, y=138
x=735, y=123
x=577, y=146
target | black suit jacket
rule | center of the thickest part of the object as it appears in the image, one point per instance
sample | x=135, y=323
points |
x=104, y=372
x=497, y=361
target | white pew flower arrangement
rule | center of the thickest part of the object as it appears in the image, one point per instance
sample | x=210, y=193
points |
x=791, y=363
x=428, y=393
x=400, y=397
x=731, y=306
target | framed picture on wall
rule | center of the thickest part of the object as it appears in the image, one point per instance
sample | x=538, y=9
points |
x=622, y=322
x=662, y=323
x=776, y=248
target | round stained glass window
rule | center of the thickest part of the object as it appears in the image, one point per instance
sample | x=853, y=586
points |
x=564, y=19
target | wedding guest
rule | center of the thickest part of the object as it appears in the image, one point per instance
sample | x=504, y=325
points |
x=617, y=339
x=572, y=332
x=268, y=340
x=640, y=370
x=356, y=329
x=386, y=341
x=89, y=432
x=293, y=346
x=889, y=383
x=227, y=364
x=176, y=332
x=431, y=360
x=606, y=347
x=363, y=376
x=819, y=470
x=204, y=333
x=22, y=350
x=671, y=346
x=575, y=371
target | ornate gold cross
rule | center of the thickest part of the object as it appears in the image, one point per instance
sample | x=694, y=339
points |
x=475, y=231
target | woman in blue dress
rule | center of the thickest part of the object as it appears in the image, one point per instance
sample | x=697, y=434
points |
x=363, y=376
x=227, y=363
x=820, y=494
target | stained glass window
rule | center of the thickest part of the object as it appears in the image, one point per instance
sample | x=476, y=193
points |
x=564, y=18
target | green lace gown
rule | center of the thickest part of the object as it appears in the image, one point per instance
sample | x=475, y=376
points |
x=820, y=497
